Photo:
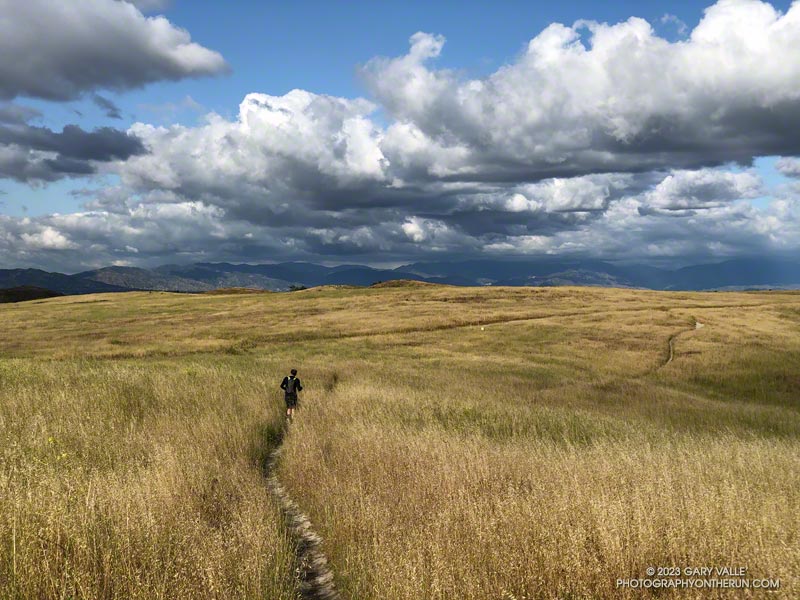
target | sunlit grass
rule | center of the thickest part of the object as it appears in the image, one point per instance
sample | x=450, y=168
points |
x=137, y=480
x=451, y=442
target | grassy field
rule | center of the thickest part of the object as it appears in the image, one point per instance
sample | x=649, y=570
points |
x=452, y=442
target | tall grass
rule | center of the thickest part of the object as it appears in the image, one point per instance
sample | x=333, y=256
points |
x=549, y=458
x=138, y=480
x=451, y=442
x=538, y=502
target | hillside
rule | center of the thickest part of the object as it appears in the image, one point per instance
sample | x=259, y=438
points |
x=57, y=282
x=26, y=292
x=132, y=278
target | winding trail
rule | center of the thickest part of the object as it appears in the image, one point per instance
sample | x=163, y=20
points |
x=316, y=577
x=674, y=336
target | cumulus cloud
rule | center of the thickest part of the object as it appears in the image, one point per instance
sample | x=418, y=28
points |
x=627, y=232
x=702, y=189
x=282, y=153
x=163, y=226
x=576, y=194
x=60, y=50
x=46, y=238
x=437, y=235
x=788, y=166
x=95, y=238
x=628, y=100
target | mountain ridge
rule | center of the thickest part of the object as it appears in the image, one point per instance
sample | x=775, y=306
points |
x=201, y=277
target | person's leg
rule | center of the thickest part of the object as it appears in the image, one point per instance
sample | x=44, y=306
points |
x=290, y=406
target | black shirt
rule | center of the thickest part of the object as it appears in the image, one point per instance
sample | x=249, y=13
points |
x=297, y=386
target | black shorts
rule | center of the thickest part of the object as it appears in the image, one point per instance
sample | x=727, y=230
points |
x=291, y=401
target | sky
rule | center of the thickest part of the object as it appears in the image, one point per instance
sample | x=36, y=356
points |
x=156, y=131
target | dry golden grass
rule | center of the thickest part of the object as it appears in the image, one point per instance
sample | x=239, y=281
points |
x=548, y=458
x=137, y=480
x=544, y=456
x=235, y=290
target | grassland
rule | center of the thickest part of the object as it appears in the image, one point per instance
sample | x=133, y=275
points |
x=452, y=442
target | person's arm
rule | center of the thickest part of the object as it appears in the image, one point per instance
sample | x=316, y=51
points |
x=299, y=387
x=284, y=383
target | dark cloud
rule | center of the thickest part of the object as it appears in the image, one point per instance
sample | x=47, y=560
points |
x=60, y=50
x=38, y=154
x=111, y=110
x=150, y=231
x=63, y=165
x=102, y=144
x=24, y=166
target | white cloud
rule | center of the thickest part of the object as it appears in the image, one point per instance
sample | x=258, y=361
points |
x=587, y=193
x=680, y=27
x=282, y=151
x=703, y=189
x=630, y=100
x=47, y=238
x=432, y=231
x=788, y=166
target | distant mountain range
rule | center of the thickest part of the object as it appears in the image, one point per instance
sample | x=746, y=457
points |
x=200, y=277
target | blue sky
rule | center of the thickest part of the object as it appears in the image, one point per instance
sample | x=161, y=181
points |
x=461, y=191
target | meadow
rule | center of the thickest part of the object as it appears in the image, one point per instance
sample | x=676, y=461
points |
x=452, y=442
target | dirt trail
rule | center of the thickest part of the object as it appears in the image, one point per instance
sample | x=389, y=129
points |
x=674, y=336
x=316, y=577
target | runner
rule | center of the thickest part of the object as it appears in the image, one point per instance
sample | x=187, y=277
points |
x=290, y=386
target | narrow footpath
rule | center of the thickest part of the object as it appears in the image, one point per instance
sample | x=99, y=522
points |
x=312, y=570
x=672, y=338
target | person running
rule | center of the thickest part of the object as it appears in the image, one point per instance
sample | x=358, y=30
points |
x=290, y=386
